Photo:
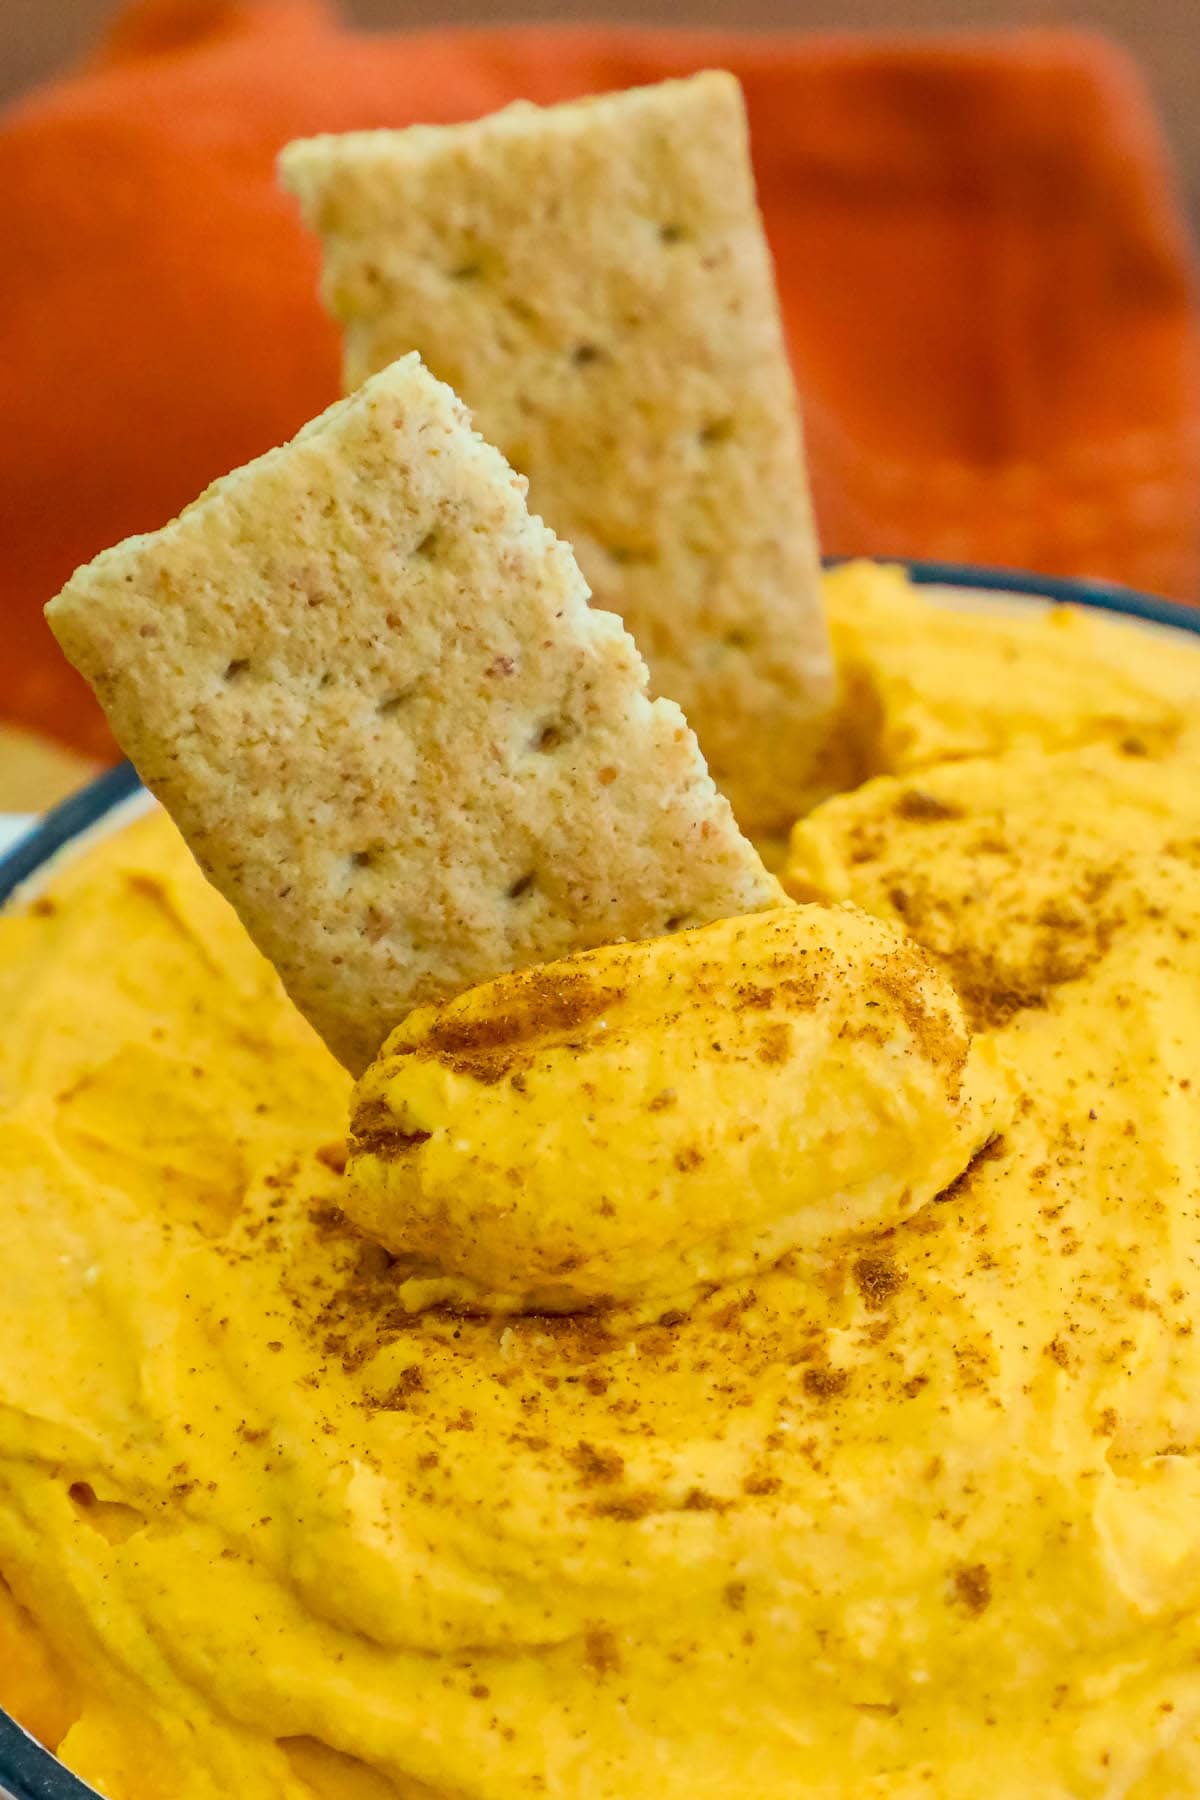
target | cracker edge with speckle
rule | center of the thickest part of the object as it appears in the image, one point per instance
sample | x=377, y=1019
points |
x=348, y=728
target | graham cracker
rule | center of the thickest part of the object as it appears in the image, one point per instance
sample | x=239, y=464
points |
x=368, y=687
x=594, y=280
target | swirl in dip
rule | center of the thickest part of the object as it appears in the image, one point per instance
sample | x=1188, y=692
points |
x=850, y=1445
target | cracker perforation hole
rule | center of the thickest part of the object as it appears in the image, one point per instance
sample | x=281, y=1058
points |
x=550, y=736
x=583, y=354
x=236, y=669
x=522, y=886
x=428, y=545
x=391, y=704
x=716, y=431
x=672, y=232
x=467, y=271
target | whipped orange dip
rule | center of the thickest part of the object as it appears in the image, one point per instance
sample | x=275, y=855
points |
x=631, y=1126
x=900, y=1501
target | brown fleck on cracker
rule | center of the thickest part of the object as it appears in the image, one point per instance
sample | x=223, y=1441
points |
x=594, y=280
x=367, y=685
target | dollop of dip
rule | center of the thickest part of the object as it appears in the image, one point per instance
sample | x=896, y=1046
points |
x=845, y=1470
x=628, y=1126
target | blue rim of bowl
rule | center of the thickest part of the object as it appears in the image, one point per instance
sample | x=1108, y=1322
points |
x=1061, y=590
x=29, y=1772
x=75, y=815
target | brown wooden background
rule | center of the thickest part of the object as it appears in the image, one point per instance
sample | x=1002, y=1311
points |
x=37, y=35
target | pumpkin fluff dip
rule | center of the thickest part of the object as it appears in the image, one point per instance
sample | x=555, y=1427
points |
x=506, y=1296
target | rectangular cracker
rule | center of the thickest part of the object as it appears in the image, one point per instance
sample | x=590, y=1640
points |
x=368, y=687
x=594, y=280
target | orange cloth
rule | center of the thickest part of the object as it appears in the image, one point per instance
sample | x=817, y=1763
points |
x=986, y=281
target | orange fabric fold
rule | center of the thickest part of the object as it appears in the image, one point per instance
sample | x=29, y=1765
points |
x=986, y=279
